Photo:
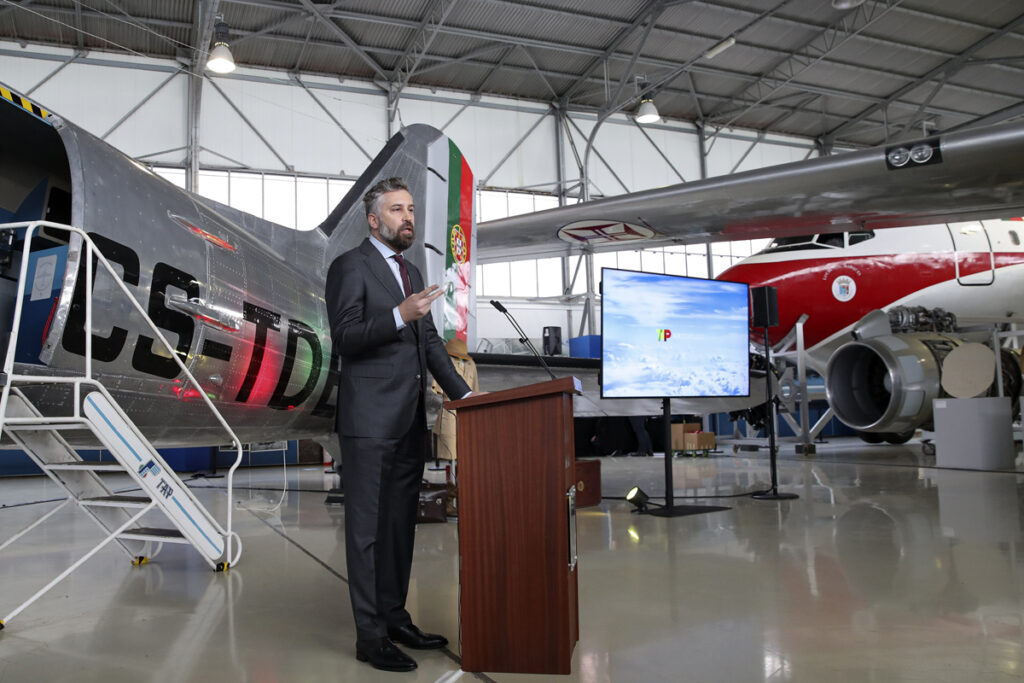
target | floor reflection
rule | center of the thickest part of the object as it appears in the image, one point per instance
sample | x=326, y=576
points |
x=883, y=569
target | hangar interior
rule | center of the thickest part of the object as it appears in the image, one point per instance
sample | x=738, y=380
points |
x=885, y=568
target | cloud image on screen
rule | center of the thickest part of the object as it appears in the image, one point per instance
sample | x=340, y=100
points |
x=668, y=336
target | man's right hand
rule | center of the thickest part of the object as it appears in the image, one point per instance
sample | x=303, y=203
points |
x=417, y=304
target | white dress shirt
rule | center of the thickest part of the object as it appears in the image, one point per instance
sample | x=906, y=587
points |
x=388, y=253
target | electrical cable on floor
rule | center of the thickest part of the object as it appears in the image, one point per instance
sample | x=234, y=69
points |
x=261, y=488
x=6, y=506
x=728, y=495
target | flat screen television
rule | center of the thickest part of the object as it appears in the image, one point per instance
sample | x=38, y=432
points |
x=669, y=336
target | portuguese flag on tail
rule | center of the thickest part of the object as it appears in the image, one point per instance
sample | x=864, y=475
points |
x=459, y=238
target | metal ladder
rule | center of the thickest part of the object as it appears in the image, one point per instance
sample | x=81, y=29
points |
x=95, y=410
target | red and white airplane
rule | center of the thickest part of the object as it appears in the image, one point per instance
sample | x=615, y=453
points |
x=974, y=270
x=906, y=229
x=932, y=281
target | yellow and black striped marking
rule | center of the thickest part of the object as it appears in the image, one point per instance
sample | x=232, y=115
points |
x=19, y=101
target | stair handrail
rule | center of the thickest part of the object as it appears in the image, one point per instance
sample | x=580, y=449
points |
x=92, y=250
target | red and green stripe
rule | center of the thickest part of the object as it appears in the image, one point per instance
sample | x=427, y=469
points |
x=460, y=217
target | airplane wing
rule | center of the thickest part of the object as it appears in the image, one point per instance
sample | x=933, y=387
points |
x=965, y=175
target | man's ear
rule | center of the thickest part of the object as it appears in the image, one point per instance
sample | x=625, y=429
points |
x=372, y=219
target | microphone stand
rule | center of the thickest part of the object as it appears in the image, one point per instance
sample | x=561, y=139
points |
x=523, y=339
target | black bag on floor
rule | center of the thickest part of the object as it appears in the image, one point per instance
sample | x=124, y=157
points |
x=433, y=503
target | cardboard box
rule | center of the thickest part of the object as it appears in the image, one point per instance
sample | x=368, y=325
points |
x=699, y=441
x=688, y=437
x=678, y=432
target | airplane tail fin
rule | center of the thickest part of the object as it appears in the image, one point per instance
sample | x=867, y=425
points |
x=441, y=183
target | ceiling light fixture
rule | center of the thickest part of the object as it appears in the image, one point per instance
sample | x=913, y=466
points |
x=720, y=48
x=220, y=61
x=647, y=112
x=846, y=4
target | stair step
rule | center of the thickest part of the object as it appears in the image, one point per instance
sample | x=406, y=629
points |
x=147, y=533
x=79, y=465
x=117, y=501
x=44, y=425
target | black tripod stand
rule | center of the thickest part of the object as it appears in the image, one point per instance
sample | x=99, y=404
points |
x=773, y=492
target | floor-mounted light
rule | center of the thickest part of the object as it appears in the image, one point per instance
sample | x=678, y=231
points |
x=638, y=499
x=220, y=61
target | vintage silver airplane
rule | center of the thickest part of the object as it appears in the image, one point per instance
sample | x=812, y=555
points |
x=242, y=298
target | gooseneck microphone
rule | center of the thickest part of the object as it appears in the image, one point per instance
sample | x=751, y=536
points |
x=523, y=339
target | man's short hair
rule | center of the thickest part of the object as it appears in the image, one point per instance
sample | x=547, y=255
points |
x=372, y=199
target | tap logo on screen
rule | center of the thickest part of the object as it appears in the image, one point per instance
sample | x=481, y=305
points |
x=664, y=335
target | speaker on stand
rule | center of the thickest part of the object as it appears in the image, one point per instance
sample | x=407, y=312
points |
x=764, y=304
x=552, y=341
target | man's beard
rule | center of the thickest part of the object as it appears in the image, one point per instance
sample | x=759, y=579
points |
x=395, y=239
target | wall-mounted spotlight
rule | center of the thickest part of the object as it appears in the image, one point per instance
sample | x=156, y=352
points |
x=921, y=153
x=220, y=61
x=638, y=498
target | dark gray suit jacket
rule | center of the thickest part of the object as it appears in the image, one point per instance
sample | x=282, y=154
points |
x=383, y=370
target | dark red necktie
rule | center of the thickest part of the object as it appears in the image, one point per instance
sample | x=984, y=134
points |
x=406, y=284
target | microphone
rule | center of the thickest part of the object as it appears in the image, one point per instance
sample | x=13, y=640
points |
x=523, y=339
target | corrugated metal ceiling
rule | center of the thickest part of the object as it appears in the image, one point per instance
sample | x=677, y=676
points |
x=798, y=67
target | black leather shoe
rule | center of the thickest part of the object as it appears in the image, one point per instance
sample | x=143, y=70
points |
x=382, y=654
x=411, y=636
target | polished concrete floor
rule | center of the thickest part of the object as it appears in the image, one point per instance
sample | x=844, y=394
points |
x=884, y=569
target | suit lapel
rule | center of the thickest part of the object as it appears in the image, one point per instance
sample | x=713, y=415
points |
x=380, y=269
x=416, y=282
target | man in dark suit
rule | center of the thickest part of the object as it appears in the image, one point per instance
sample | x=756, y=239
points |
x=387, y=341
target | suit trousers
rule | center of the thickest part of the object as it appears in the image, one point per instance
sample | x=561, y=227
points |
x=382, y=484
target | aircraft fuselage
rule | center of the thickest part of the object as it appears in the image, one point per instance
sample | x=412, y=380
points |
x=239, y=298
x=974, y=270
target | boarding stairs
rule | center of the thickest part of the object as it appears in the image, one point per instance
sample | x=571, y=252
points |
x=123, y=516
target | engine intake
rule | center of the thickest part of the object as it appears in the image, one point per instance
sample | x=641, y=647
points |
x=887, y=383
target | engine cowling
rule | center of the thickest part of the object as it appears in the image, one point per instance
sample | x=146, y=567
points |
x=887, y=383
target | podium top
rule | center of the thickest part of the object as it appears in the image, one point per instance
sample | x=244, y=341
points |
x=562, y=385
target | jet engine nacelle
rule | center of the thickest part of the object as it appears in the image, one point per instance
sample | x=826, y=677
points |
x=887, y=383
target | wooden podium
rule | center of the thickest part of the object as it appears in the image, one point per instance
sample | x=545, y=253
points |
x=517, y=529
